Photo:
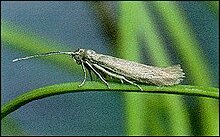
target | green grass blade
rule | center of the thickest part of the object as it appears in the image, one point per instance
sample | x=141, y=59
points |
x=129, y=49
x=20, y=39
x=185, y=42
x=194, y=60
x=72, y=87
x=178, y=118
x=136, y=22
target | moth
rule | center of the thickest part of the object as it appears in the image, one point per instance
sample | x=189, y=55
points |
x=125, y=70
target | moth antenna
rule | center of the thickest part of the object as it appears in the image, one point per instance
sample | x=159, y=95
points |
x=44, y=54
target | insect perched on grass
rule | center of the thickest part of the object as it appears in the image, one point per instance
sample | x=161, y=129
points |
x=122, y=69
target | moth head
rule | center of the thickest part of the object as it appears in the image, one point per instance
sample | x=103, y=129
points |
x=79, y=55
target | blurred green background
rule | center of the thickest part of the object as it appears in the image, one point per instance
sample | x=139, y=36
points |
x=153, y=33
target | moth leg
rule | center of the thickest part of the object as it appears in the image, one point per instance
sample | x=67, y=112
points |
x=116, y=76
x=113, y=71
x=132, y=83
x=84, y=70
x=90, y=74
x=122, y=81
x=97, y=74
x=89, y=70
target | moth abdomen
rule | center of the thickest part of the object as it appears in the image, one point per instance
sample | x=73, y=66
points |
x=168, y=76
